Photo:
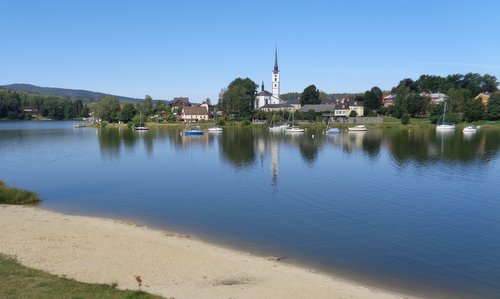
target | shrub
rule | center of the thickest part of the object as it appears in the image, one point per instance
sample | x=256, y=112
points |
x=10, y=195
x=405, y=119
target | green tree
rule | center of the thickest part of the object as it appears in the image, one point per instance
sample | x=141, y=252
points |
x=457, y=98
x=238, y=98
x=353, y=113
x=494, y=106
x=128, y=112
x=310, y=95
x=147, y=107
x=372, y=99
x=108, y=109
x=310, y=115
x=473, y=110
x=431, y=83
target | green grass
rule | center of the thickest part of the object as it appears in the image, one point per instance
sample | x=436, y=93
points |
x=17, y=281
x=11, y=195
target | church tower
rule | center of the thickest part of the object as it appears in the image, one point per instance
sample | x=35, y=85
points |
x=276, y=76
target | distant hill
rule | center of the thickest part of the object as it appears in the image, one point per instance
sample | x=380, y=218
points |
x=73, y=94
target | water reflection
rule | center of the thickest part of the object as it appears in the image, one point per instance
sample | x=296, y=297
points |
x=240, y=147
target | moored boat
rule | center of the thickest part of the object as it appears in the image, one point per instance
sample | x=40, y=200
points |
x=215, y=129
x=192, y=132
x=358, y=128
x=333, y=131
x=470, y=129
x=445, y=126
x=294, y=129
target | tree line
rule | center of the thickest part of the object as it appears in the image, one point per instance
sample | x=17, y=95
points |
x=20, y=105
x=412, y=98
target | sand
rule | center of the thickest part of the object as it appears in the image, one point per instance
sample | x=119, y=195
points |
x=97, y=250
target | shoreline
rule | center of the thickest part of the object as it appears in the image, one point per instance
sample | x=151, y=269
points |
x=103, y=250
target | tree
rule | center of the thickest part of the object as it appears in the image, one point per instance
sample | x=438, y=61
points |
x=148, y=105
x=430, y=83
x=372, y=99
x=238, y=98
x=353, y=113
x=473, y=110
x=457, y=97
x=128, y=112
x=310, y=95
x=494, y=106
x=108, y=109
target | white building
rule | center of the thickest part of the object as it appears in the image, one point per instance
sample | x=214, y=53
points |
x=264, y=97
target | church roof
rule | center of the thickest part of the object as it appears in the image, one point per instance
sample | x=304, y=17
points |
x=277, y=106
x=264, y=93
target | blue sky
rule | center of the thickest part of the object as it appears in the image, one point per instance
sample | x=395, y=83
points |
x=195, y=48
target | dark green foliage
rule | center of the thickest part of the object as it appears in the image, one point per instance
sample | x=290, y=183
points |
x=21, y=105
x=70, y=94
x=108, y=109
x=310, y=95
x=309, y=115
x=372, y=99
x=22, y=282
x=220, y=121
x=494, y=107
x=9, y=195
x=473, y=110
x=430, y=83
x=238, y=98
x=405, y=119
x=147, y=107
x=353, y=113
x=128, y=112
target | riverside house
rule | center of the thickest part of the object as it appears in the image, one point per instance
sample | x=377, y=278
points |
x=194, y=113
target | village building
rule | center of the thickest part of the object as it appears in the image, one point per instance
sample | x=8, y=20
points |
x=265, y=97
x=194, y=113
x=484, y=97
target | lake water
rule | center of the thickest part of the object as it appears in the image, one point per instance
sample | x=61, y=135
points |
x=413, y=209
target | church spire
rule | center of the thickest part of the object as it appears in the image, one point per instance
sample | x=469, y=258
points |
x=262, y=85
x=276, y=60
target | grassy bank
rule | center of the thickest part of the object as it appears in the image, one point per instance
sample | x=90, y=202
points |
x=18, y=281
x=9, y=195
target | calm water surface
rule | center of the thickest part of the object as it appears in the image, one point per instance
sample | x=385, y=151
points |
x=406, y=209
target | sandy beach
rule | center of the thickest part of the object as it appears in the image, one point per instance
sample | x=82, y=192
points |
x=97, y=250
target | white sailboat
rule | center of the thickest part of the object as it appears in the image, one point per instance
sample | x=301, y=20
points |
x=294, y=129
x=444, y=126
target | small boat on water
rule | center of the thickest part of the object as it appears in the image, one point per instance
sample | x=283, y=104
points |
x=358, y=128
x=141, y=126
x=80, y=125
x=215, y=129
x=278, y=128
x=445, y=126
x=192, y=132
x=294, y=129
x=470, y=129
x=333, y=131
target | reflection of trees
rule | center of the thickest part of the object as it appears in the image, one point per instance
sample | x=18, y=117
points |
x=109, y=142
x=112, y=139
x=372, y=143
x=425, y=145
x=309, y=149
x=237, y=146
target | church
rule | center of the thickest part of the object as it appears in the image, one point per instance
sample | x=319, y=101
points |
x=264, y=97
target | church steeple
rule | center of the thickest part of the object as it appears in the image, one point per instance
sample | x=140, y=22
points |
x=276, y=76
x=276, y=60
x=262, y=89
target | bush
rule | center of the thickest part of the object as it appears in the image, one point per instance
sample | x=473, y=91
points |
x=10, y=195
x=353, y=113
x=405, y=119
x=246, y=122
x=220, y=121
